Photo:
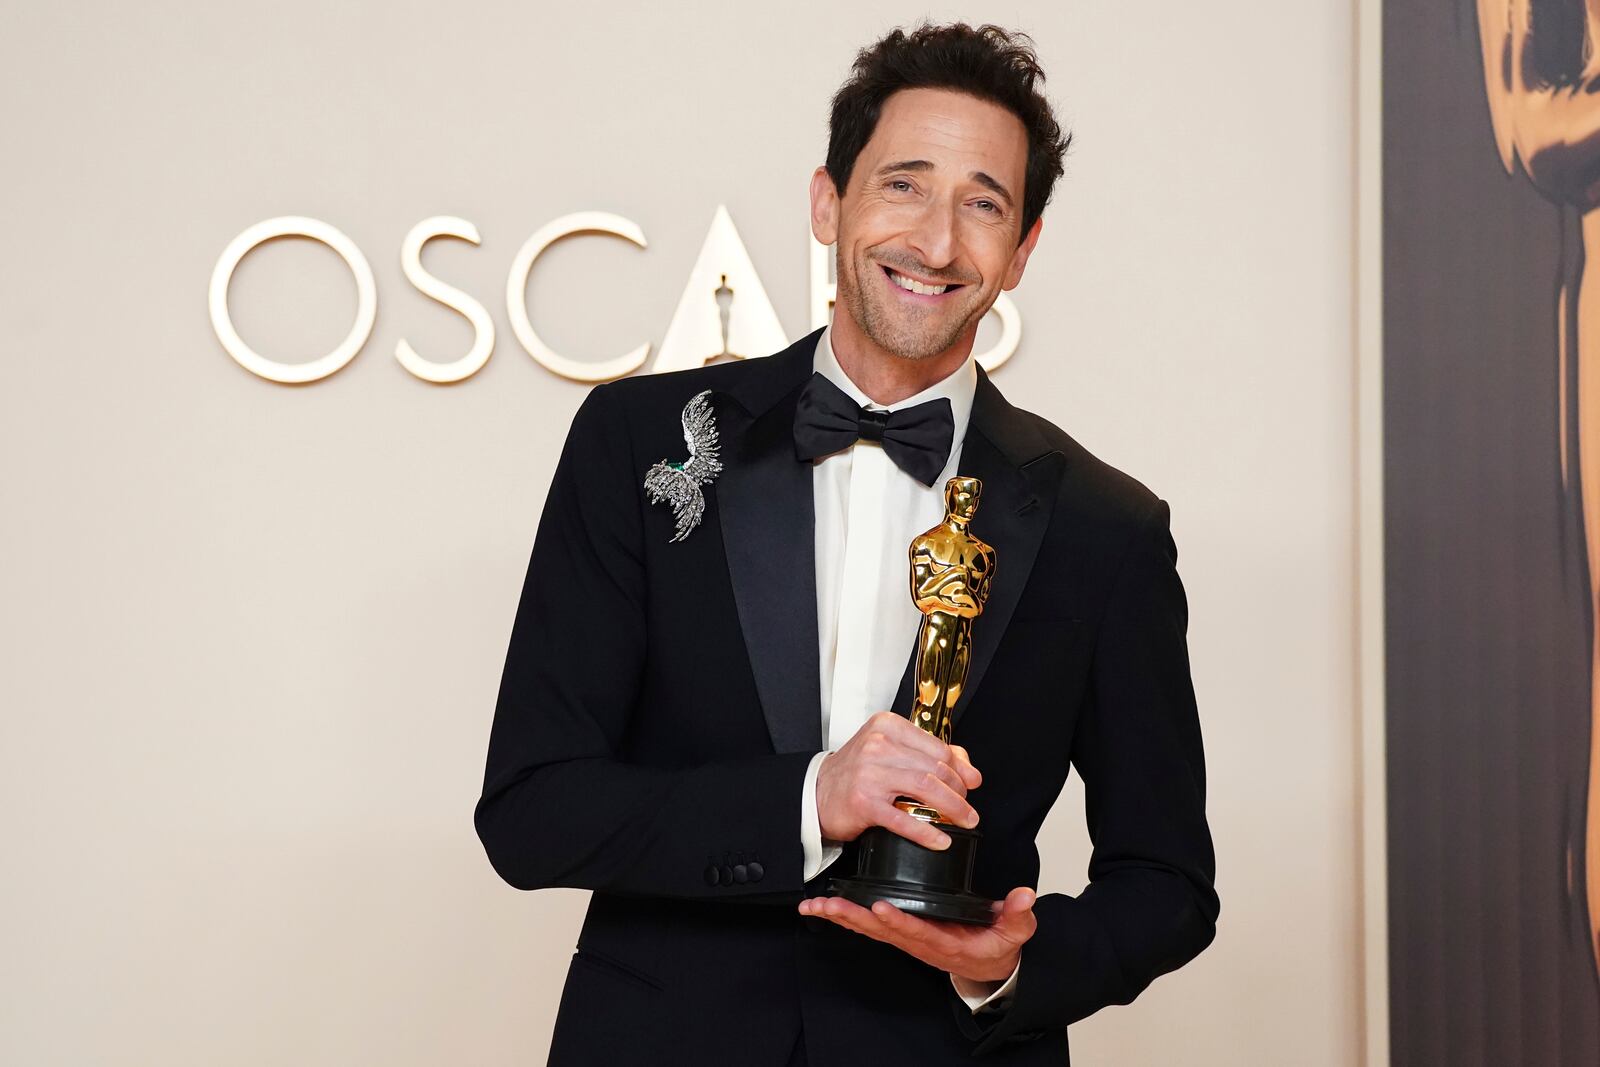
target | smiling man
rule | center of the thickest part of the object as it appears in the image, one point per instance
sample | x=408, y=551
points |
x=703, y=702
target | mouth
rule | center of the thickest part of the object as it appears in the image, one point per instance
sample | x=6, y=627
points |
x=911, y=289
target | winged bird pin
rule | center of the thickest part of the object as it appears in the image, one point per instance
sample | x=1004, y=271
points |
x=679, y=483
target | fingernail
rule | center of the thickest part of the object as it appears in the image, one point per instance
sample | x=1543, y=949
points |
x=943, y=842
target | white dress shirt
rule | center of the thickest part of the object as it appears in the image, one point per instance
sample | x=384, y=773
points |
x=867, y=512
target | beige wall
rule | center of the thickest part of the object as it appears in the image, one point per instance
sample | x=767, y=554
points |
x=253, y=632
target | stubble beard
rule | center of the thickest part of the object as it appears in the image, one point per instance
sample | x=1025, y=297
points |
x=900, y=331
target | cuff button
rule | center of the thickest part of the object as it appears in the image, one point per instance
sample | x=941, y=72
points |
x=713, y=876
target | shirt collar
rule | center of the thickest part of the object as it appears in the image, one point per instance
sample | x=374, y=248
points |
x=959, y=386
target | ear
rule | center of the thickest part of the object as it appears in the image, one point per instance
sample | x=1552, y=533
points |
x=824, y=207
x=1019, y=258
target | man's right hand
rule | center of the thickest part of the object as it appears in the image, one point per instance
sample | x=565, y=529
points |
x=888, y=758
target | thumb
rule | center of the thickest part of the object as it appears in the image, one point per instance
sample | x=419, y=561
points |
x=1016, y=910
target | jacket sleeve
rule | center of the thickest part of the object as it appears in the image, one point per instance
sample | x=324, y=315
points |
x=1150, y=905
x=559, y=807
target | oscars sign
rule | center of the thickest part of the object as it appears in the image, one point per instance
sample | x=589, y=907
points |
x=723, y=311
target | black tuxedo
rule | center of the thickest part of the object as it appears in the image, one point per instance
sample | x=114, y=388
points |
x=660, y=703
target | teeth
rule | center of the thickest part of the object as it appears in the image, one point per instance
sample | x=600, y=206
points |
x=915, y=286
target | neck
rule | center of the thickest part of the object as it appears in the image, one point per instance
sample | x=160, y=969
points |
x=884, y=376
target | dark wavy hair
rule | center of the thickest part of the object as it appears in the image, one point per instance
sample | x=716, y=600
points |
x=987, y=62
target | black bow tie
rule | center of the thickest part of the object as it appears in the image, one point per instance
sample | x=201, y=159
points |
x=917, y=438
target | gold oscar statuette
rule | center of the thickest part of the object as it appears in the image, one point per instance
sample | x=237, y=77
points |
x=951, y=573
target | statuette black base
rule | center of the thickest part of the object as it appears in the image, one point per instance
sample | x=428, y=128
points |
x=920, y=881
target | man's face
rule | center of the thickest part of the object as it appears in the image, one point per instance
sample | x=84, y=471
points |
x=935, y=198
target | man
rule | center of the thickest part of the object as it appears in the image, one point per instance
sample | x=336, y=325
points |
x=702, y=703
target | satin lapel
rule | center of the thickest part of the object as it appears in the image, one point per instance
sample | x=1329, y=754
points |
x=1019, y=471
x=764, y=505
x=1012, y=518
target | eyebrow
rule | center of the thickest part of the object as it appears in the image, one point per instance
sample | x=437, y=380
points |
x=978, y=176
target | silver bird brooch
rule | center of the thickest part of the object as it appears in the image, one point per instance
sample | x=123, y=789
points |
x=679, y=483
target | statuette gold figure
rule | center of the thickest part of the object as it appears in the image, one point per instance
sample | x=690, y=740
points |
x=951, y=572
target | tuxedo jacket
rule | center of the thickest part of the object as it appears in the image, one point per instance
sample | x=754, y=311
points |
x=660, y=702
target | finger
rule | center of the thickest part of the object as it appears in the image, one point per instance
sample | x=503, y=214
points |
x=918, y=763
x=844, y=921
x=950, y=774
x=850, y=915
x=914, y=766
x=936, y=793
x=963, y=766
x=1016, y=921
x=929, y=937
x=871, y=924
x=841, y=908
x=913, y=829
x=835, y=908
x=1019, y=901
x=901, y=730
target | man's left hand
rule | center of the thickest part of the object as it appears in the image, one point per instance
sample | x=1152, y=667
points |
x=978, y=953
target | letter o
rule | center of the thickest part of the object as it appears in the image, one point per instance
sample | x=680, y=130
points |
x=293, y=226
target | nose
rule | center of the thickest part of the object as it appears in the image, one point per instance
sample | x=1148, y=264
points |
x=933, y=238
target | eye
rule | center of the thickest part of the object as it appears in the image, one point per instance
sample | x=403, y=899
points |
x=896, y=183
x=989, y=205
